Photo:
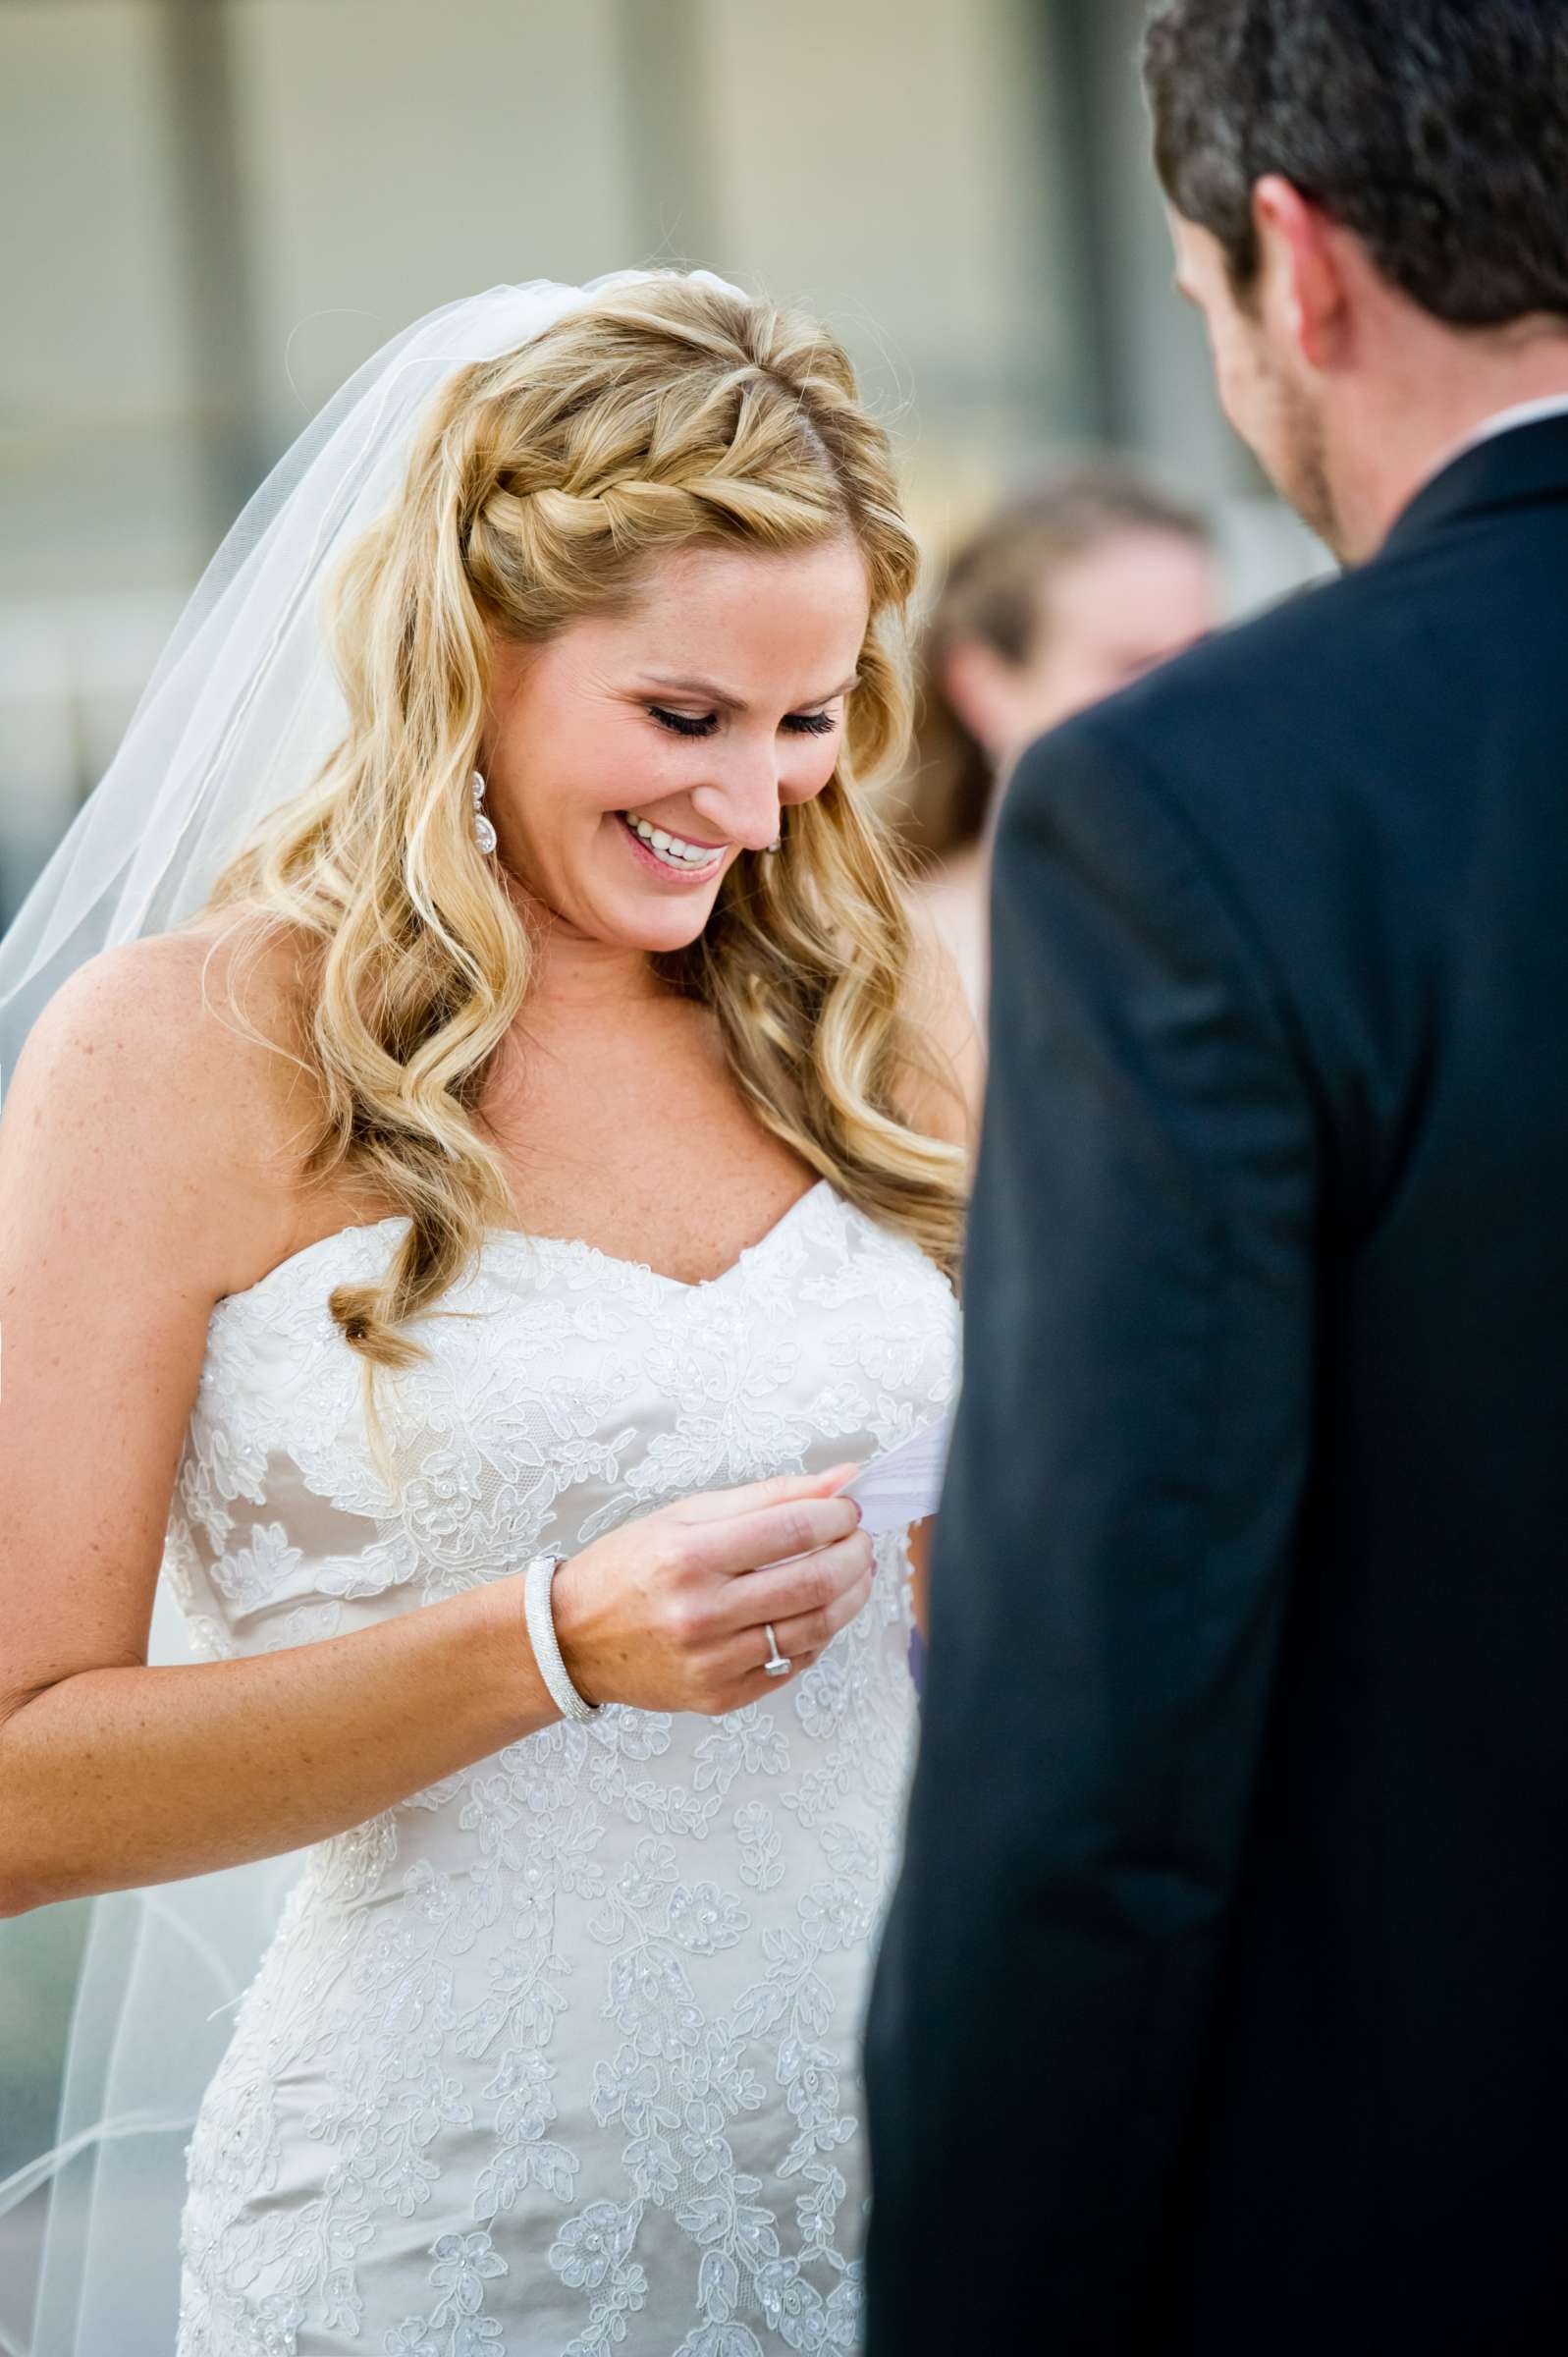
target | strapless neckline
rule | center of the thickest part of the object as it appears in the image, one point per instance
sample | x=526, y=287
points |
x=575, y=1247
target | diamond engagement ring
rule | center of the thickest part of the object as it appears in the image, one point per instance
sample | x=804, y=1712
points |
x=776, y=1664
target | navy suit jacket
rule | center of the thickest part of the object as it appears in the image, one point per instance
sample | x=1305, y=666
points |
x=1222, y=2007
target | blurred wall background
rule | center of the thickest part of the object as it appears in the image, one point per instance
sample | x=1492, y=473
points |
x=219, y=207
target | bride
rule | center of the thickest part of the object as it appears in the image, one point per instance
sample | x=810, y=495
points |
x=501, y=1167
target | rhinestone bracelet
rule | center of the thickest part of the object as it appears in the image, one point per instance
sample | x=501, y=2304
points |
x=564, y=1694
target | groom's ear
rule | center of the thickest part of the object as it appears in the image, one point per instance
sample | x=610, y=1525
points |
x=1304, y=285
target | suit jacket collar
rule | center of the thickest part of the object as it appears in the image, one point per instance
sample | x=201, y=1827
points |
x=1525, y=467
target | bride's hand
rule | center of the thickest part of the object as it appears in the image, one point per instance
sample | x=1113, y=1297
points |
x=668, y=1613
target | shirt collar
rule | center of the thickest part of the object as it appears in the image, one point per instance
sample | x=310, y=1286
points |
x=1519, y=457
x=1502, y=422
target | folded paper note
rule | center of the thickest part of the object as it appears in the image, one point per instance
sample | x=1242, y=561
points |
x=904, y=1484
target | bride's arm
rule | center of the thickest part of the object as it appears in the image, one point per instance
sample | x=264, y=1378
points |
x=127, y=1167
x=132, y=1196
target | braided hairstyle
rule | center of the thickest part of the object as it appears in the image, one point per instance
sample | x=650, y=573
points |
x=542, y=485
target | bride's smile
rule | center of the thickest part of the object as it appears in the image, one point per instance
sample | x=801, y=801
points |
x=634, y=758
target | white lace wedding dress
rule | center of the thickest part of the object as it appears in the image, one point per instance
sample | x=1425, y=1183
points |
x=560, y=2053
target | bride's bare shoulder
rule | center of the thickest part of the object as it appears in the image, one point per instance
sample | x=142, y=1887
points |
x=223, y=999
x=179, y=1053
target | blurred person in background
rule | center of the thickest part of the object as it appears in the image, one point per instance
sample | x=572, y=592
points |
x=1220, y=2010
x=1061, y=598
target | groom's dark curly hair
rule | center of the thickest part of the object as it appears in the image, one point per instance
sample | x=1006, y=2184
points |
x=1437, y=131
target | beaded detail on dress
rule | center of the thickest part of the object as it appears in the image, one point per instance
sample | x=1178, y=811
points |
x=558, y=2056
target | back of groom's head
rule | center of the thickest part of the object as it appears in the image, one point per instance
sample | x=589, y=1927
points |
x=1434, y=130
x=1368, y=205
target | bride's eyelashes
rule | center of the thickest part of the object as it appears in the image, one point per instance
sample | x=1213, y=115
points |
x=803, y=724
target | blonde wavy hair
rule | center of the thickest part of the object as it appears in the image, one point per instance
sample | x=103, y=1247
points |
x=542, y=486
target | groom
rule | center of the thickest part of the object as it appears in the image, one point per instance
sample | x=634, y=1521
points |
x=1224, y=2005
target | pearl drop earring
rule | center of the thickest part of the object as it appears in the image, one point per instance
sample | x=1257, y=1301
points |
x=484, y=833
